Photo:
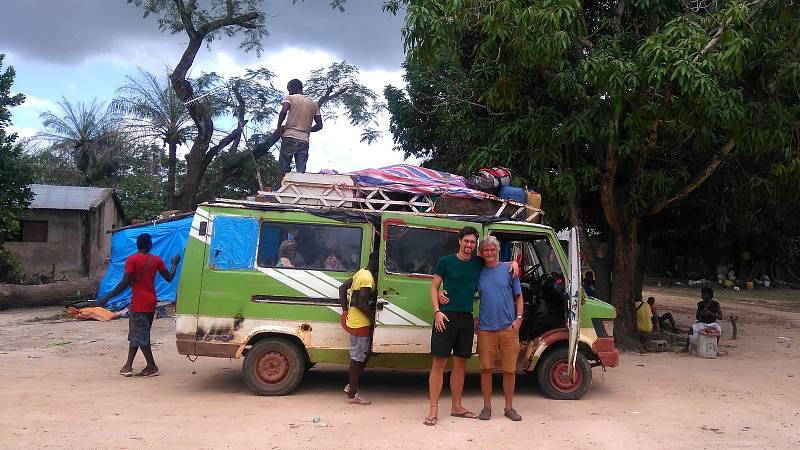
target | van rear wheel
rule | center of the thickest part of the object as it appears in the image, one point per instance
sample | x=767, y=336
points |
x=273, y=366
x=554, y=381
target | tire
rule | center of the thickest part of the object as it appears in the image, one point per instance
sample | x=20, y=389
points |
x=551, y=375
x=273, y=366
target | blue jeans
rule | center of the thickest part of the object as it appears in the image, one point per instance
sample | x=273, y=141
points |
x=291, y=148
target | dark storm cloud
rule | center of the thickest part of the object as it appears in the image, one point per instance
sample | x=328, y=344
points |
x=68, y=32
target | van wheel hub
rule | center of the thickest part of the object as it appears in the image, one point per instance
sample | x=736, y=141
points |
x=559, y=377
x=272, y=368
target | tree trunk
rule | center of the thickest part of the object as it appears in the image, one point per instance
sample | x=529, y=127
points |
x=171, y=164
x=645, y=238
x=186, y=200
x=623, y=287
x=603, y=267
x=51, y=294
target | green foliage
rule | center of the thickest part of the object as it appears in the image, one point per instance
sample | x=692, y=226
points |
x=10, y=270
x=15, y=175
x=339, y=93
x=86, y=137
x=140, y=187
x=556, y=86
x=152, y=110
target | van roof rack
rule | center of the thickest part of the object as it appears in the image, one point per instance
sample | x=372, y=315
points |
x=375, y=199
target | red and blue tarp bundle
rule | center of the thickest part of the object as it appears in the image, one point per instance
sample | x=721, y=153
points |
x=416, y=180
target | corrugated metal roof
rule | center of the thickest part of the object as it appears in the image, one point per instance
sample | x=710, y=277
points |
x=67, y=197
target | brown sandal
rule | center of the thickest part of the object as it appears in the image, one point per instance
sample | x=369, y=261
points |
x=431, y=421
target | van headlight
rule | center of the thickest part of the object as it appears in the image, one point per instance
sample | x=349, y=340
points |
x=603, y=327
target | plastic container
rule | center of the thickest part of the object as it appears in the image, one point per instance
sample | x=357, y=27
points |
x=749, y=285
x=513, y=193
x=706, y=346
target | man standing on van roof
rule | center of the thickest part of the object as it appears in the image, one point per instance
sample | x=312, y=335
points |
x=299, y=111
x=355, y=295
x=499, y=320
x=140, y=274
x=454, y=327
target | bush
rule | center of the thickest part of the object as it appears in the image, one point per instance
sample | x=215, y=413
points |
x=10, y=270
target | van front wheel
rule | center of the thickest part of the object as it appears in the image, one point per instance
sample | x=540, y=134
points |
x=273, y=366
x=554, y=381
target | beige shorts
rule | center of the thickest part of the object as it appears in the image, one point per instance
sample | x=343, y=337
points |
x=500, y=345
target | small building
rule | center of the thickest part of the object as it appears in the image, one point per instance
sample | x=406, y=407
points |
x=64, y=233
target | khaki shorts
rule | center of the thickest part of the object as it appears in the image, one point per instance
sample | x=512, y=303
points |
x=503, y=343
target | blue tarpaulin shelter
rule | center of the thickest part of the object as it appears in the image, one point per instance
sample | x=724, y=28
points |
x=169, y=239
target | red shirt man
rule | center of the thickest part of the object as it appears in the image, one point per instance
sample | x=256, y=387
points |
x=140, y=274
x=142, y=269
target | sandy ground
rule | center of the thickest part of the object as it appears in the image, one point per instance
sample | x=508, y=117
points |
x=60, y=389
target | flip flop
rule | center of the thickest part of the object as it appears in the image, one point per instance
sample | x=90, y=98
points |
x=431, y=421
x=464, y=415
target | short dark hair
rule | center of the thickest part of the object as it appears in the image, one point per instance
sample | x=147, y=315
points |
x=467, y=231
x=651, y=300
x=144, y=242
x=295, y=85
x=707, y=290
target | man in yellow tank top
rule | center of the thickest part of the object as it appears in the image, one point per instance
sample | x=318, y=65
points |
x=355, y=295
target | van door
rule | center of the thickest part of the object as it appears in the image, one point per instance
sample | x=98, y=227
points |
x=410, y=247
x=574, y=291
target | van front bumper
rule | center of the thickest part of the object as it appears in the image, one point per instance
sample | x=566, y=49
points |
x=604, y=349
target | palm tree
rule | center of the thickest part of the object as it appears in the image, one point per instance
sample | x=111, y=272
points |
x=85, y=135
x=153, y=112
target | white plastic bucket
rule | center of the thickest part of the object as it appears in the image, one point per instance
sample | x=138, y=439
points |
x=706, y=346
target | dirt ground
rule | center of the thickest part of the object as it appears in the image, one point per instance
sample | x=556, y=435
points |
x=60, y=389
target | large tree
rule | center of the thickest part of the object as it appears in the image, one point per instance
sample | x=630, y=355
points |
x=616, y=109
x=15, y=175
x=246, y=19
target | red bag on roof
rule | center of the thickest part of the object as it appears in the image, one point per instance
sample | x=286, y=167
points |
x=490, y=179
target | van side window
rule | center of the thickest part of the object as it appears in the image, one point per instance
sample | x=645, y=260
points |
x=306, y=246
x=416, y=250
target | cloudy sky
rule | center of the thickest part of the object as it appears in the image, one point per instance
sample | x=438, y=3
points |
x=83, y=49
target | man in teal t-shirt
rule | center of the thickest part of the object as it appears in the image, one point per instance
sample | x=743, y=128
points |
x=454, y=327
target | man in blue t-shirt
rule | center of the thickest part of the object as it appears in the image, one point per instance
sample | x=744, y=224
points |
x=500, y=316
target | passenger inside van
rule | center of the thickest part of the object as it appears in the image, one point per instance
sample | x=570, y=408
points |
x=287, y=254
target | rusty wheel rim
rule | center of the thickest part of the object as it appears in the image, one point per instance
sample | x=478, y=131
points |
x=559, y=378
x=272, y=368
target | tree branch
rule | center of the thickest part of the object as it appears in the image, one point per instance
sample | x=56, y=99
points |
x=618, y=14
x=186, y=17
x=724, y=26
x=242, y=21
x=328, y=95
x=698, y=179
x=227, y=140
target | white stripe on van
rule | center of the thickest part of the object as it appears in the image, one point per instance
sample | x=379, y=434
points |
x=292, y=283
x=306, y=279
x=414, y=320
x=383, y=317
x=325, y=278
